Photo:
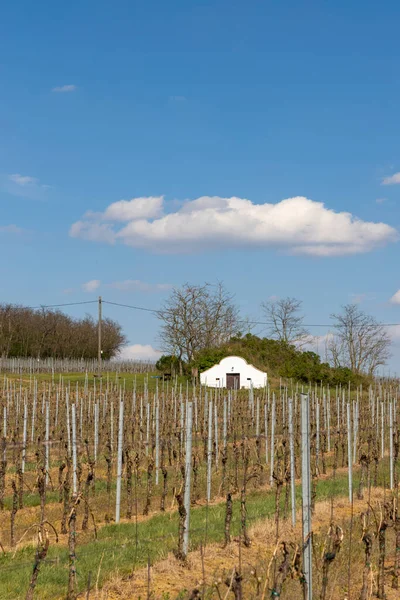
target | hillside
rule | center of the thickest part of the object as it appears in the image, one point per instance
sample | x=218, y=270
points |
x=278, y=359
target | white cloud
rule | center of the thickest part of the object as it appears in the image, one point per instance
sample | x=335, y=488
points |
x=392, y=179
x=318, y=344
x=140, y=352
x=23, y=180
x=24, y=186
x=62, y=89
x=94, y=232
x=394, y=332
x=395, y=299
x=178, y=98
x=11, y=229
x=298, y=225
x=138, y=208
x=91, y=286
x=135, y=285
x=127, y=285
x=380, y=200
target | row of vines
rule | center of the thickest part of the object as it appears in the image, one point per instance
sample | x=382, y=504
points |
x=76, y=457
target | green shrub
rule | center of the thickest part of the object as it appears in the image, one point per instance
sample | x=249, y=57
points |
x=278, y=359
x=168, y=364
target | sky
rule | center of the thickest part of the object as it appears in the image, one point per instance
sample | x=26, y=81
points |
x=148, y=144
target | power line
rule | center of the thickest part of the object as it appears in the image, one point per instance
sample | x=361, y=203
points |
x=157, y=312
x=60, y=305
x=133, y=307
x=249, y=321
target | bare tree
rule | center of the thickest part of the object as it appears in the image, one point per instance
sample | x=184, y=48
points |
x=334, y=350
x=361, y=342
x=285, y=322
x=196, y=317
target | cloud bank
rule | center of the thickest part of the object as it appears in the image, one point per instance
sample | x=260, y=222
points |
x=392, y=180
x=395, y=299
x=24, y=186
x=139, y=352
x=297, y=225
x=23, y=180
x=13, y=229
x=91, y=286
x=127, y=285
x=135, y=285
x=64, y=89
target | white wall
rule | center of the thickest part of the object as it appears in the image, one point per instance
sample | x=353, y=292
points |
x=216, y=376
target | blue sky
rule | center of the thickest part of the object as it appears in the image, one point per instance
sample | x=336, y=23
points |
x=175, y=101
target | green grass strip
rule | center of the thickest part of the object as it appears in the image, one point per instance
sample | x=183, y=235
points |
x=122, y=549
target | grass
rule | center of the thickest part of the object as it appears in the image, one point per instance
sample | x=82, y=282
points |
x=127, y=379
x=32, y=499
x=119, y=548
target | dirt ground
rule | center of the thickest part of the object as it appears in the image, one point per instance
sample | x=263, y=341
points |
x=208, y=570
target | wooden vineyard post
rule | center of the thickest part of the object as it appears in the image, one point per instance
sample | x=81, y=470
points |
x=355, y=430
x=258, y=417
x=4, y=427
x=147, y=428
x=216, y=434
x=266, y=432
x=182, y=422
x=292, y=470
x=188, y=471
x=209, y=451
x=112, y=427
x=225, y=429
x=33, y=414
x=306, y=492
x=391, y=445
x=271, y=478
x=47, y=441
x=317, y=439
x=74, y=452
x=68, y=424
x=96, y=430
x=23, y=436
x=328, y=420
x=157, y=414
x=57, y=403
x=350, y=463
x=119, y=459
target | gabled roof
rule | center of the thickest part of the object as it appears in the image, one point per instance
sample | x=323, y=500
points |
x=240, y=358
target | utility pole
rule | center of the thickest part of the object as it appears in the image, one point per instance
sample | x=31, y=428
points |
x=99, y=338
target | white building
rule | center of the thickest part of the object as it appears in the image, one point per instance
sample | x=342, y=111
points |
x=233, y=372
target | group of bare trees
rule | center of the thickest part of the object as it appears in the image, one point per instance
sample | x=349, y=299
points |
x=198, y=317
x=195, y=318
x=360, y=341
x=357, y=341
x=48, y=333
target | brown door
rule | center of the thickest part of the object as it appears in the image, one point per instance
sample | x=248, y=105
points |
x=233, y=381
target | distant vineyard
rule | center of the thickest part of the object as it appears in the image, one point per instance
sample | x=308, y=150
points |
x=69, y=365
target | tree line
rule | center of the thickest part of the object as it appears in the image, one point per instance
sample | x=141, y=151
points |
x=197, y=319
x=43, y=333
